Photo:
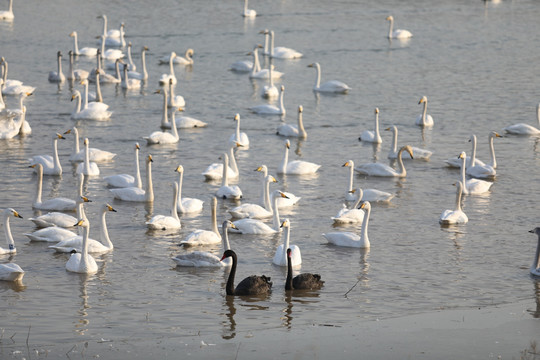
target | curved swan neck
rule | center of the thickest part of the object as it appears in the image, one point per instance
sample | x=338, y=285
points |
x=104, y=25
x=232, y=159
x=318, y=76
x=364, y=234
x=149, y=193
x=214, y=224
x=104, y=233
x=275, y=210
x=164, y=116
x=402, y=171
x=7, y=231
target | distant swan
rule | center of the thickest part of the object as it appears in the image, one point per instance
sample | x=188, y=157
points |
x=352, y=215
x=90, y=113
x=50, y=164
x=372, y=136
x=332, y=86
x=281, y=52
x=179, y=60
x=126, y=180
x=135, y=193
x=535, y=267
x=294, y=130
x=349, y=239
x=87, y=167
x=162, y=137
x=486, y=171
x=419, y=154
x=85, y=51
x=57, y=204
x=109, y=54
x=296, y=167
x=251, y=286
x=378, y=169
x=163, y=222
x=214, y=171
x=304, y=281
x=455, y=162
x=399, y=33
x=82, y=262
x=8, y=15
x=96, y=155
x=248, y=13
x=227, y=191
x=456, y=216
x=128, y=83
x=280, y=257
x=57, y=76
x=11, y=249
x=240, y=138
x=424, y=119
x=525, y=129
x=137, y=75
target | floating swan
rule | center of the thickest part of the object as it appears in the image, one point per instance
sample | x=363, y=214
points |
x=13, y=87
x=525, y=129
x=472, y=186
x=109, y=54
x=270, y=91
x=486, y=171
x=85, y=51
x=87, y=167
x=227, y=191
x=113, y=33
x=50, y=164
x=126, y=180
x=280, y=257
x=296, y=167
x=135, y=193
x=372, y=195
x=127, y=83
x=281, y=52
x=294, y=130
x=251, y=286
x=163, y=222
x=304, y=281
x=215, y=170
x=116, y=41
x=378, y=169
x=282, y=202
x=11, y=249
x=11, y=272
x=257, y=72
x=206, y=237
x=456, y=216
x=166, y=78
x=268, y=109
x=90, y=113
x=535, y=267
x=95, y=107
x=8, y=14
x=76, y=74
x=186, y=205
x=105, y=78
x=144, y=75
x=248, y=13
x=57, y=76
x=455, y=162
x=179, y=60
x=372, y=136
x=9, y=127
x=175, y=100
x=255, y=211
x=96, y=155
x=399, y=33
x=94, y=246
x=246, y=65
x=350, y=239
x=204, y=258
x=163, y=137
x=352, y=215
x=332, y=86
x=424, y=119
x=82, y=262
x=419, y=154
x=185, y=122
x=255, y=226
x=239, y=137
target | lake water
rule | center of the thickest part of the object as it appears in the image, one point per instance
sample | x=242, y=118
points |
x=474, y=61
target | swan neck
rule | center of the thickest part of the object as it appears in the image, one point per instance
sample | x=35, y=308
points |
x=301, y=131
x=256, y=64
x=230, y=281
x=271, y=43
x=266, y=36
x=174, y=212
x=99, y=97
x=402, y=171
x=364, y=236
x=55, y=152
x=492, y=152
x=537, y=114
x=351, y=178
x=238, y=129
x=77, y=108
x=71, y=73
x=105, y=240
x=390, y=28
x=215, y=227
x=59, y=65
x=318, y=76
x=75, y=44
x=266, y=201
x=118, y=77
x=288, y=281
x=473, y=151
x=86, y=158
x=225, y=178
x=164, y=116
x=536, y=262
x=149, y=193
x=271, y=77
x=85, y=104
x=7, y=231
x=84, y=253
x=174, y=130
x=281, y=106
x=232, y=160
x=76, y=147
x=171, y=67
x=377, y=134
x=275, y=214
x=286, y=241
x=39, y=186
x=138, y=169
x=459, y=191
x=424, y=112
x=143, y=61
x=463, y=179
x=394, y=139
x=285, y=161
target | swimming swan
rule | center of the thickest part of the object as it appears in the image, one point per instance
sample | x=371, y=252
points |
x=372, y=136
x=135, y=193
x=399, y=33
x=378, y=169
x=332, y=86
x=456, y=216
x=87, y=167
x=50, y=164
x=296, y=167
x=96, y=155
x=186, y=205
x=214, y=171
x=352, y=215
x=85, y=51
x=91, y=112
x=255, y=226
x=419, y=154
x=255, y=211
x=248, y=13
x=8, y=14
x=163, y=222
x=227, y=191
x=304, y=281
x=280, y=257
x=57, y=76
x=525, y=129
x=240, y=137
x=424, y=119
x=472, y=186
x=126, y=180
x=349, y=239
x=281, y=52
x=251, y=286
x=294, y=130
x=137, y=75
x=163, y=137
x=205, y=237
x=179, y=60
x=82, y=262
x=372, y=195
x=486, y=171
x=268, y=109
x=11, y=249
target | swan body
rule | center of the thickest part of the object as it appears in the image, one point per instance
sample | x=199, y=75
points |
x=268, y=109
x=353, y=215
x=371, y=195
x=135, y=193
x=162, y=137
x=165, y=79
x=248, y=13
x=349, y=239
x=535, y=267
x=187, y=59
x=11, y=272
x=255, y=211
x=113, y=33
x=186, y=205
x=206, y=237
x=95, y=155
x=255, y=226
x=472, y=186
x=95, y=106
x=246, y=65
x=332, y=86
x=486, y=171
x=419, y=154
x=372, y=136
x=175, y=101
x=54, y=219
x=87, y=167
x=137, y=75
x=115, y=38
x=55, y=204
x=82, y=262
x=126, y=180
x=378, y=169
x=50, y=164
x=215, y=170
x=280, y=257
x=296, y=167
x=110, y=54
x=294, y=130
x=8, y=15
x=11, y=249
x=251, y=286
x=270, y=91
x=162, y=222
x=399, y=33
x=127, y=83
x=91, y=112
x=282, y=201
x=85, y=51
x=57, y=76
x=304, y=281
x=51, y=234
x=76, y=74
x=281, y=52
x=424, y=119
x=239, y=137
x=13, y=87
x=227, y=191
x=456, y=216
x=525, y=129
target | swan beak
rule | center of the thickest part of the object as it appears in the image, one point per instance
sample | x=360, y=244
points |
x=258, y=169
x=310, y=65
x=362, y=205
x=32, y=166
x=179, y=168
x=283, y=195
x=288, y=146
x=150, y=158
x=79, y=223
x=137, y=146
x=233, y=227
x=67, y=132
x=16, y=214
x=498, y=135
x=60, y=136
x=532, y=231
x=346, y=164
x=85, y=199
x=274, y=179
x=29, y=94
x=239, y=145
x=352, y=191
x=180, y=109
x=157, y=91
x=110, y=208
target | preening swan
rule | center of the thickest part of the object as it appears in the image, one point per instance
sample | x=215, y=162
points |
x=76, y=74
x=186, y=205
x=525, y=129
x=87, y=167
x=419, y=154
x=240, y=138
x=372, y=136
x=378, y=169
x=179, y=60
x=304, y=281
x=248, y=13
x=486, y=171
x=57, y=204
x=162, y=137
x=399, y=33
x=227, y=191
x=472, y=186
x=163, y=222
x=251, y=286
x=166, y=78
x=215, y=170
x=296, y=167
x=8, y=15
x=135, y=193
x=268, y=109
x=456, y=216
x=424, y=119
x=372, y=195
x=206, y=237
x=126, y=180
x=255, y=226
x=90, y=113
x=96, y=155
x=255, y=211
x=11, y=249
x=82, y=262
x=85, y=51
x=352, y=215
x=57, y=76
x=332, y=86
x=535, y=267
x=350, y=239
x=204, y=258
x=280, y=257
x=50, y=164
x=281, y=52
x=292, y=130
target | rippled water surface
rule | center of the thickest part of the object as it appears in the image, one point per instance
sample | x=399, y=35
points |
x=476, y=62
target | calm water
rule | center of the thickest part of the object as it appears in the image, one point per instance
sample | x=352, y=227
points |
x=475, y=62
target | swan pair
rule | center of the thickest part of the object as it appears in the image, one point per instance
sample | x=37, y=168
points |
x=251, y=286
x=163, y=222
x=472, y=186
x=50, y=165
x=419, y=154
x=296, y=167
x=350, y=239
x=475, y=167
x=378, y=169
x=294, y=130
x=371, y=195
x=372, y=136
x=332, y=86
x=456, y=216
x=163, y=137
x=10, y=271
x=135, y=193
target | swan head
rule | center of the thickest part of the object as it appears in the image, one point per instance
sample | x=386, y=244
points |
x=495, y=134
x=280, y=193
x=137, y=146
x=289, y=252
x=391, y=128
x=390, y=18
x=59, y=54
x=536, y=231
x=229, y=253
x=288, y=144
x=359, y=192
x=83, y=199
x=262, y=169
x=179, y=169
x=190, y=52
x=227, y=224
x=86, y=142
x=82, y=223
x=271, y=179
x=462, y=155
x=173, y=54
x=472, y=138
x=58, y=136
x=282, y=88
x=422, y=100
x=313, y=65
x=300, y=108
x=286, y=223
x=75, y=94
x=376, y=110
x=145, y=48
x=73, y=34
x=349, y=163
x=14, y=212
x=408, y=149
x=265, y=31
x=149, y=159
x=237, y=117
x=365, y=205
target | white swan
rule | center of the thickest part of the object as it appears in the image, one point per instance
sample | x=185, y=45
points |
x=270, y=91
x=350, y=239
x=372, y=195
x=57, y=76
x=85, y=51
x=96, y=155
x=9, y=128
x=94, y=246
x=472, y=186
x=187, y=59
x=163, y=222
x=89, y=113
x=424, y=119
x=281, y=52
x=50, y=164
x=332, y=86
x=255, y=226
x=255, y=211
x=525, y=129
x=419, y=154
x=486, y=171
x=296, y=167
x=294, y=130
x=166, y=78
x=116, y=41
x=110, y=54
x=137, y=75
x=378, y=169
x=87, y=167
x=13, y=87
x=455, y=162
x=248, y=13
x=352, y=215
x=58, y=204
x=185, y=122
x=135, y=193
x=535, y=266
x=11, y=249
x=239, y=137
x=95, y=107
x=456, y=216
x=282, y=202
x=127, y=83
x=126, y=180
x=11, y=272
x=214, y=171
x=399, y=33
x=131, y=65
x=113, y=33
x=268, y=109
x=227, y=191
x=8, y=15
x=372, y=136
x=82, y=262
x=76, y=74
x=175, y=100
x=163, y=137
x=105, y=78
x=186, y=205
x=280, y=257
x=205, y=237
x=246, y=65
